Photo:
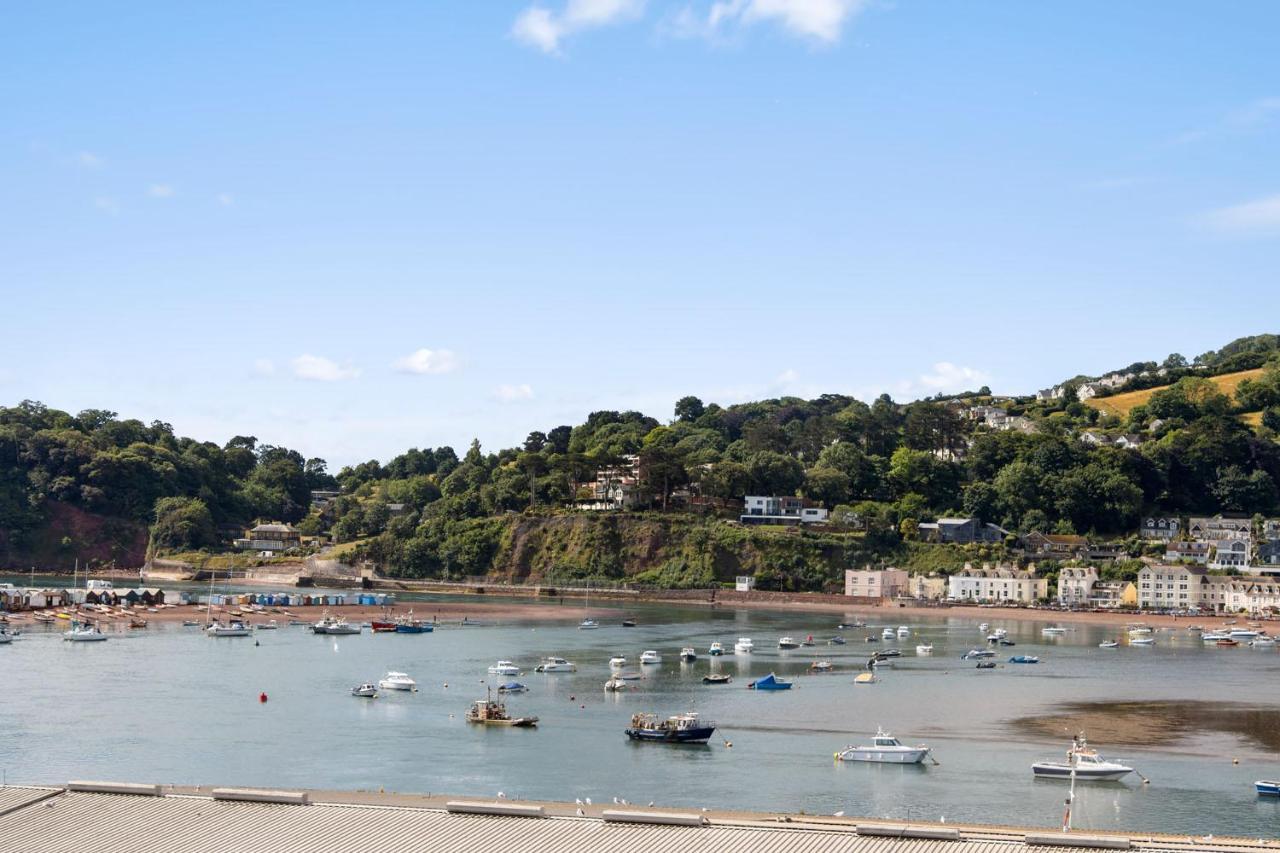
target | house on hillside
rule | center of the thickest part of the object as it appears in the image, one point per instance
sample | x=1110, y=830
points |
x=1160, y=527
x=1230, y=554
x=763, y=509
x=272, y=536
x=1205, y=529
x=1055, y=545
x=616, y=487
x=961, y=531
x=1187, y=552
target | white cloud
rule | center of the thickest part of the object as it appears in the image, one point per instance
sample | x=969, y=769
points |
x=819, y=20
x=787, y=377
x=545, y=29
x=426, y=361
x=160, y=191
x=225, y=199
x=88, y=160
x=107, y=205
x=1261, y=216
x=264, y=367
x=947, y=377
x=513, y=393
x=320, y=369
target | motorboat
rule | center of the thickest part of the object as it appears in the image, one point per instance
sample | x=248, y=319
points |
x=1227, y=641
x=1024, y=659
x=365, y=691
x=904, y=631
x=885, y=749
x=986, y=664
x=5, y=636
x=410, y=626
x=1005, y=642
x=331, y=625
x=681, y=728
x=836, y=641
x=267, y=626
x=1262, y=641
x=879, y=662
x=715, y=650
x=504, y=667
x=649, y=656
x=1267, y=788
x=614, y=684
x=889, y=653
x=924, y=649
x=744, y=646
x=975, y=654
x=1214, y=636
x=588, y=625
x=1053, y=631
x=821, y=666
x=1142, y=640
x=487, y=712
x=628, y=623
x=554, y=664
x=629, y=675
x=872, y=639
x=512, y=687
x=788, y=643
x=845, y=626
x=235, y=628
x=1108, y=644
x=1243, y=634
x=888, y=633
x=769, y=682
x=688, y=655
x=617, y=662
x=717, y=678
x=398, y=681
x=190, y=623
x=1084, y=763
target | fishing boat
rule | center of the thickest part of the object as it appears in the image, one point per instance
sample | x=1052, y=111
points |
x=413, y=626
x=365, y=691
x=1024, y=659
x=788, y=643
x=267, y=626
x=715, y=650
x=681, y=728
x=1108, y=644
x=383, y=627
x=81, y=633
x=1084, y=763
x=717, y=678
x=688, y=655
x=885, y=749
x=504, y=667
x=821, y=666
x=769, y=682
x=649, y=656
x=865, y=678
x=398, y=681
x=614, y=684
x=512, y=687
x=487, y=712
x=1267, y=788
x=235, y=628
x=555, y=664
x=836, y=641
x=986, y=664
x=924, y=649
x=744, y=646
x=617, y=662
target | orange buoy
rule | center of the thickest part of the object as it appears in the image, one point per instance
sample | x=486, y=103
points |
x=262, y=697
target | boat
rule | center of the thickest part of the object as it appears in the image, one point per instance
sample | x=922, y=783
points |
x=865, y=678
x=688, y=655
x=904, y=631
x=649, y=656
x=984, y=627
x=807, y=642
x=488, y=712
x=836, y=641
x=411, y=626
x=1227, y=641
x=190, y=623
x=1142, y=640
x=235, y=628
x=821, y=666
x=845, y=626
x=715, y=650
x=629, y=675
x=1262, y=641
x=889, y=653
x=398, y=681
x=1024, y=659
x=986, y=664
x=1108, y=644
x=554, y=664
x=1243, y=634
x=614, y=684
x=617, y=662
x=628, y=623
x=383, y=627
x=924, y=649
x=888, y=633
x=885, y=749
x=788, y=643
x=975, y=654
x=1214, y=636
x=137, y=623
x=769, y=682
x=1267, y=788
x=744, y=646
x=339, y=625
x=1052, y=631
x=717, y=678
x=1083, y=763
x=267, y=626
x=871, y=639
x=512, y=687
x=588, y=625
x=1005, y=642
x=504, y=667
x=365, y=691
x=681, y=728
x=81, y=633
x=5, y=636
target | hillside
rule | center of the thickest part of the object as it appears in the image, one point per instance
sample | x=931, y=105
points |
x=1120, y=404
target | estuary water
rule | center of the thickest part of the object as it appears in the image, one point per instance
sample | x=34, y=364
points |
x=168, y=704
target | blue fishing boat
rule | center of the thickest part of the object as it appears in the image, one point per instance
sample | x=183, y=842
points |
x=1024, y=659
x=1267, y=788
x=414, y=628
x=682, y=728
x=769, y=682
x=513, y=687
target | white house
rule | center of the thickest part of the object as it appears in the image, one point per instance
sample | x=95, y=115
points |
x=1230, y=554
x=1075, y=585
x=763, y=509
x=875, y=583
x=999, y=584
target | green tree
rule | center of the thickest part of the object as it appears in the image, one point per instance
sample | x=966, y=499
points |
x=182, y=523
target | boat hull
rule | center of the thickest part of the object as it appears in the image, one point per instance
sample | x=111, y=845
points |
x=698, y=735
x=1063, y=771
x=414, y=629
x=1267, y=788
x=881, y=756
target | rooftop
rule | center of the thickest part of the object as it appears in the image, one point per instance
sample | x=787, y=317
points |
x=89, y=817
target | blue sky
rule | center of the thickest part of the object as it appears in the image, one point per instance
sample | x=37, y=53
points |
x=352, y=228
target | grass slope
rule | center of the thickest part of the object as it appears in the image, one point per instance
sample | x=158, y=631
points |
x=1120, y=404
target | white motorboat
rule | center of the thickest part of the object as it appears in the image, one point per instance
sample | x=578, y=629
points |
x=1215, y=636
x=232, y=629
x=1108, y=644
x=1243, y=634
x=554, y=664
x=650, y=656
x=1084, y=763
x=1262, y=641
x=1142, y=640
x=885, y=749
x=267, y=626
x=744, y=646
x=1052, y=631
x=975, y=654
x=397, y=681
x=617, y=662
x=365, y=691
x=904, y=631
x=331, y=625
x=688, y=655
x=504, y=667
x=924, y=649
x=888, y=634
x=4, y=637
x=588, y=625
x=821, y=666
x=788, y=643
x=613, y=685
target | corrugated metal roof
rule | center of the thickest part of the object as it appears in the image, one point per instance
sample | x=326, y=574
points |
x=115, y=823
x=16, y=797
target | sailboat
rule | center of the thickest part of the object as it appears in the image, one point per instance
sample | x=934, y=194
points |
x=588, y=624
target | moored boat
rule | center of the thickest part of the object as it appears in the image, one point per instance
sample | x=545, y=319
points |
x=512, y=687
x=235, y=628
x=769, y=682
x=555, y=664
x=365, y=691
x=743, y=646
x=488, y=712
x=398, y=681
x=821, y=666
x=1267, y=788
x=924, y=649
x=1142, y=640
x=650, y=656
x=681, y=728
x=788, y=643
x=976, y=654
x=885, y=749
x=504, y=667
x=717, y=678
x=81, y=633
x=588, y=625
x=985, y=664
x=617, y=662
x=865, y=678
x=1024, y=659
x=383, y=627
x=1263, y=641
x=271, y=625
x=888, y=633
x=837, y=640
x=1052, y=631
x=614, y=684
x=688, y=655
x=1108, y=644
x=715, y=650
x=1084, y=763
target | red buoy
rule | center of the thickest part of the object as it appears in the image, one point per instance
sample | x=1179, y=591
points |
x=262, y=697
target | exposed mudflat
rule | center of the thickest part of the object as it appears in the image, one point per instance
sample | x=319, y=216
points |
x=1160, y=723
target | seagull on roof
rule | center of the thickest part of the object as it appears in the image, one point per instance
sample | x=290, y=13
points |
x=587, y=801
x=579, y=812
x=578, y=800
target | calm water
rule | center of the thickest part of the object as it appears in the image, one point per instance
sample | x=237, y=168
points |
x=170, y=705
